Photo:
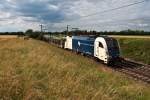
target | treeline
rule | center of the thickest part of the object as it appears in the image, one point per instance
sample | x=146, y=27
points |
x=36, y=34
x=85, y=32
x=12, y=33
x=126, y=32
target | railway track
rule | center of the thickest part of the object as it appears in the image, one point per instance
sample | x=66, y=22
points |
x=133, y=69
x=130, y=68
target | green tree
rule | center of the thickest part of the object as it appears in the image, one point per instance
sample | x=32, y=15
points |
x=33, y=34
x=29, y=32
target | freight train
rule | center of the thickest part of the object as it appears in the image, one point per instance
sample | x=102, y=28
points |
x=103, y=48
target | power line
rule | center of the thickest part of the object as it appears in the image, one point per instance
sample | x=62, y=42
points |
x=102, y=23
x=135, y=3
x=109, y=10
x=113, y=9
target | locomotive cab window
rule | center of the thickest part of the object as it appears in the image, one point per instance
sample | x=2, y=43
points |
x=101, y=45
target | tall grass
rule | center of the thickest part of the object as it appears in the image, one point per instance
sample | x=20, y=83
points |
x=34, y=70
x=136, y=49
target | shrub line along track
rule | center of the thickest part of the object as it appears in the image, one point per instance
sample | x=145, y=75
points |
x=133, y=69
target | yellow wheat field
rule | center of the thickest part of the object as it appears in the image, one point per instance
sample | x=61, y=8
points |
x=8, y=36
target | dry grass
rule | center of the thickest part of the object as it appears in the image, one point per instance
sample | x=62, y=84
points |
x=8, y=36
x=34, y=70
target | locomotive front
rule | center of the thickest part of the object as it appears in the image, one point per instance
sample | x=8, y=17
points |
x=113, y=50
x=106, y=49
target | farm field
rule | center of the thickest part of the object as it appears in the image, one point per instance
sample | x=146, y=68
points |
x=31, y=69
x=137, y=49
x=8, y=36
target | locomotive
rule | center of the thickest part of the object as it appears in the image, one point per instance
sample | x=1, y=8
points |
x=103, y=48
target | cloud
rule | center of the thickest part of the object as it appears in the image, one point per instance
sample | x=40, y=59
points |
x=55, y=14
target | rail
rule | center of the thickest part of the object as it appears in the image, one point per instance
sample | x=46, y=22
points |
x=133, y=69
x=130, y=68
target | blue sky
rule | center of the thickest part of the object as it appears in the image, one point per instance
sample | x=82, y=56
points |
x=20, y=15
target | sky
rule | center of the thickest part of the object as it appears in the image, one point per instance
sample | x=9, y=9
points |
x=55, y=15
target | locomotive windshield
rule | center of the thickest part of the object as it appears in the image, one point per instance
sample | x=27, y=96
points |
x=113, y=47
x=112, y=43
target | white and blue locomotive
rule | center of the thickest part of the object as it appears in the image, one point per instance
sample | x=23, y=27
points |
x=103, y=48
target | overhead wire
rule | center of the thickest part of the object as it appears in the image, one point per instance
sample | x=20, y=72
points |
x=117, y=8
x=120, y=21
x=109, y=10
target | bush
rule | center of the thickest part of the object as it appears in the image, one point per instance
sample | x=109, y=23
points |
x=32, y=34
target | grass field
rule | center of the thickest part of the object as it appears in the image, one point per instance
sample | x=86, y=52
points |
x=137, y=49
x=34, y=70
x=130, y=36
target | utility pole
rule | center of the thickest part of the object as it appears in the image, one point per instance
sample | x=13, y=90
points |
x=41, y=35
x=67, y=29
x=41, y=28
